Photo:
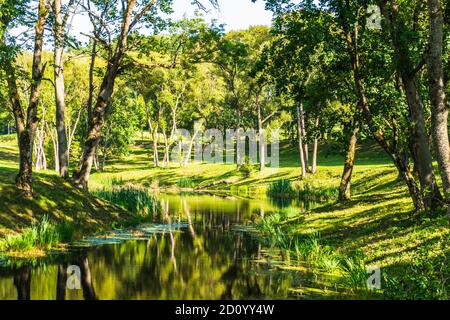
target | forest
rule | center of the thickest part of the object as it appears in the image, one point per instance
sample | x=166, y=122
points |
x=308, y=158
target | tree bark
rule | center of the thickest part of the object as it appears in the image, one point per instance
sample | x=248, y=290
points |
x=305, y=144
x=407, y=71
x=63, y=151
x=262, y=151
x=155, y=146
x=344, y=187
x=439, y=111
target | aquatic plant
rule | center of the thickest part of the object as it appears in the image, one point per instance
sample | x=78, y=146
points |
x=281, y=188
x=43, y=234
x=307, y=191
x=136, y=200
x=184, y=182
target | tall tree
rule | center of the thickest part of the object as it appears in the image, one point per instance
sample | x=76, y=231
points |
x=26, y=123
x=132, y=12
x=59, y=26
x=439, y=111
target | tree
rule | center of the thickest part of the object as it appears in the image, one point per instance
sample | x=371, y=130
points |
x=59, y=35
x=439, y=113
x=26, y=124
x=132, y=13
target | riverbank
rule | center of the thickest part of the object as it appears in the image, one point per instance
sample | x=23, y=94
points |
x=66, y=213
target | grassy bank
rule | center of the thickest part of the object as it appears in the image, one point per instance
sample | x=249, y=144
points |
x=58, y=214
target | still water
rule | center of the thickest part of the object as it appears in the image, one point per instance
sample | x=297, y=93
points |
x=201, y=248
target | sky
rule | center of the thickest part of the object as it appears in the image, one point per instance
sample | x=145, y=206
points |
x=234, y=14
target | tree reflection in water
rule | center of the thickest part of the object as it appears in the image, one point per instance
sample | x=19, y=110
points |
x=197, y=255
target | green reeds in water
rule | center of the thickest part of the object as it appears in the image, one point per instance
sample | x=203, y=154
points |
x=281, y=188
x=284, y=189
x=134, y=199
x=310, y=249
x=43, y=234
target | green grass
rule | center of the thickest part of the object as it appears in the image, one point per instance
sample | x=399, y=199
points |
x=72, y=212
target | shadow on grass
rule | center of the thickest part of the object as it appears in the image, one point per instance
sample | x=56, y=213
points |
x=56, y=198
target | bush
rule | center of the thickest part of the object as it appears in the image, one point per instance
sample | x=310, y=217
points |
x=307, y=191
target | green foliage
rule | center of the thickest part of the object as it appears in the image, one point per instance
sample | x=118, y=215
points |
x=424, y=278
x=306, y=191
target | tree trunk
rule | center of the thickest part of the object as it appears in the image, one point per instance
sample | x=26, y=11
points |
x=422, y=155
x=166, y=159
x=316, y=142
x=439, y=111
x=72, y=134
x=63, y=152
x=155, y=146
x=300, y=142
x=187, y=157
x=262, y=151
x=239, y=159
x=407, y=71
x=26, y=127
x=377, y=134
x=305, y=144
x=344, y=187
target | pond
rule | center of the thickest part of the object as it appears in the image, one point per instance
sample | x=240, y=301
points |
x=202, y=248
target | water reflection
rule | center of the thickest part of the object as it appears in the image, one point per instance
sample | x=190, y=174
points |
x=196, y=254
